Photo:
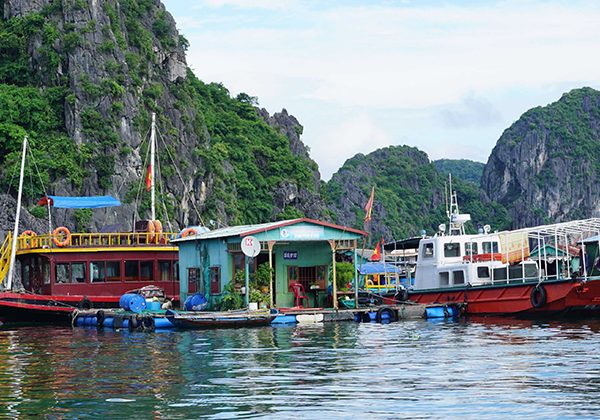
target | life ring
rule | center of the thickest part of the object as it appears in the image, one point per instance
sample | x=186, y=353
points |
x=61, y=231
x=28, y=237
x=133, y=323
x=158, y=229
x=148, y=323
x=85, y=303
x=188, y=231
x=150, y=230
x=538, y=296
x=100, y=316
x=392, y=315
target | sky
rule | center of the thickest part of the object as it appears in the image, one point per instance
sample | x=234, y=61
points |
x=447, y=77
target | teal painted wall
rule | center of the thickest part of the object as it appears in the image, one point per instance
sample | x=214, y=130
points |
x=309, y=254
x=308, y=240
x=203, y=255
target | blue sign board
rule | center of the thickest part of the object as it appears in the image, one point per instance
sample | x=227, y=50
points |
x=290, y=255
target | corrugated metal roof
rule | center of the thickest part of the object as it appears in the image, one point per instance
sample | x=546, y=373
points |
x=235, y=230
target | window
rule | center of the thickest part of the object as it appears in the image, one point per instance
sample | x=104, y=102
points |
x=452, y=250
x=483, y=272
x=113, y=271
x=193, y=279
x=490, y=247
x=428, y=251
x=176, y=270
x=146, y=270
x=78, y=272
x=46, y=271
x=62, y=273
x=471, y=248
x=458, y=277
x=292, y=274
x=131, y=270
x=97, y=272
x=164, y=271
x=444, y=278
x=25, y=275
x=215, y=280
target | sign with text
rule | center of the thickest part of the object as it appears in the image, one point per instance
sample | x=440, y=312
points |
x=302, y=233
x=290, y=255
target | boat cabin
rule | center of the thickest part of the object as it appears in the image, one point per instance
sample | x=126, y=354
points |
x=460, y=260
x=102, y=265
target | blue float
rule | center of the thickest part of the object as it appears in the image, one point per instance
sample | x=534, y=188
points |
x=132, y=302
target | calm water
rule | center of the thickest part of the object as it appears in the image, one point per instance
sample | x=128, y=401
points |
x=476, y=368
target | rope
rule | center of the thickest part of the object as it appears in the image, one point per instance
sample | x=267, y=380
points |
x=139, y=191
x=37, y=170
x=179, y=175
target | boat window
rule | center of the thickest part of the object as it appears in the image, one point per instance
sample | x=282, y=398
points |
x=62, y=273
x=500, y=273
x=444, y=278
x=46, y=271
x=490, y=248
x=458, y=277
x=113, y=271
x=531, y=270
x=146, y=269
x=215, y=280
x=25, y=275
x=78, y=272
x=176, y=270
x=483, y=272
x=131, y=270
x=452, y=250
x=428, y=250
x=471, y=248
x=164, y=271
x=97, y=273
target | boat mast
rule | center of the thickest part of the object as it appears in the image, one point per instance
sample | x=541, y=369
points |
x=152, y=158
x=13, y=250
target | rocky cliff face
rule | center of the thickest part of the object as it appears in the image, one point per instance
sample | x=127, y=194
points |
x=108, y=65
x=308, y=201
x=546, y=167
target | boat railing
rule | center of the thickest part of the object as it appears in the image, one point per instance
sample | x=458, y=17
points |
x=93, y=240
x=5, y=256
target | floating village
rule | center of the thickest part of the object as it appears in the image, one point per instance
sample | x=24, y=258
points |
x=289, y=271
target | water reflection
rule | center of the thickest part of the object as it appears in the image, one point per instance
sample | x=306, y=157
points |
x=475, y=367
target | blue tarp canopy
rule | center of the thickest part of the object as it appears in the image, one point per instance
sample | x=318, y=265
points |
x=79, y=202
x=378, y=268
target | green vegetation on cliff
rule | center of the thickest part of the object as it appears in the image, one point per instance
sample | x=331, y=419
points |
x=409, y=194
x=465, y=169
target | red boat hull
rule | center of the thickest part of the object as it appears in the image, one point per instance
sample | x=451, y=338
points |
x=563, y=296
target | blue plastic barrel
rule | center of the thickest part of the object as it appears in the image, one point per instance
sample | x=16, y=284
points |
x=195, y=302
x=163, y=323
x=132, y=302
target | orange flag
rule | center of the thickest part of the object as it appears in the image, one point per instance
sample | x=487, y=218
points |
x=149, y=178
x=377, y=254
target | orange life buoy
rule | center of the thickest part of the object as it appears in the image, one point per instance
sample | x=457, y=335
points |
x=29, y=240
x=187, y=232
x=150, y=230
x=65, y=233
x=157, y=230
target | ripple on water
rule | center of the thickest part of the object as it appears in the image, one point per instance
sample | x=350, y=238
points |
x=478, y=368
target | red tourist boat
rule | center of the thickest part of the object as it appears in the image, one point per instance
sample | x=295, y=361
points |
x=61, y=271
x=550, y=269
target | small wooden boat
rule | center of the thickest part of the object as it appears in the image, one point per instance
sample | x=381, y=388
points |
x=243, y=318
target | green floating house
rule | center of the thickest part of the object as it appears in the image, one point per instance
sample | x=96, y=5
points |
x=299, y=251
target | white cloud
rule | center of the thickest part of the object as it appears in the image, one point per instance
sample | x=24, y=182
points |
x=339, y=142
x=453, y=63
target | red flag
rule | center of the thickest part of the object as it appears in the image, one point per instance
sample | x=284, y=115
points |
x=149, y=178
x=377, y=254
x=369, y=206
